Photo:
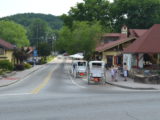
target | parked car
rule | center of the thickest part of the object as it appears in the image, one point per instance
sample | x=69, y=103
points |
x=33, y=61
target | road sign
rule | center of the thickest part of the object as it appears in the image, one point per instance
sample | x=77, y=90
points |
x=35, y=54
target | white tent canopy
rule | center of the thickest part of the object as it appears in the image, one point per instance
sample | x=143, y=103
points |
x=77, y=56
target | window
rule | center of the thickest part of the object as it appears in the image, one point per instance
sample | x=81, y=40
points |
x=1, y=51
x=96, y=65
x=81, y=63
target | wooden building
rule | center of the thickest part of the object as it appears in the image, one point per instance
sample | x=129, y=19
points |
x=112, y=45
x=144, y=51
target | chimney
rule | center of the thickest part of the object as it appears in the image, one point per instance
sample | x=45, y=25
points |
x=124, y=29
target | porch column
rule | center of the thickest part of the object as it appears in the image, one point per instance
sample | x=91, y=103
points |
x=137, y=59
x=104, y=57
x=115, y=60
x=140, y=60
x=127, y=59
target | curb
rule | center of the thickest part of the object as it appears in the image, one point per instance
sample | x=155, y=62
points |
x=133, y=88
x=8, y=74
x=32, y=72
x=21, y=78
x=9, y=83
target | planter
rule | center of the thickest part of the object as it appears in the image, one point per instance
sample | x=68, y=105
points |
x=151, y=79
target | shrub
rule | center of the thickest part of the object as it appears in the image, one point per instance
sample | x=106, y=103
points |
x=6, y=65
x=19, y=67
x=27, y=65
x=43, y=60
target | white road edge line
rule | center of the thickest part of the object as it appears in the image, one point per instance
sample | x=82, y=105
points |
x=73, y=82
x=76, y=83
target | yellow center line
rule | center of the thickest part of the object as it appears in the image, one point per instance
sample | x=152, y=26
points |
x=43, y=84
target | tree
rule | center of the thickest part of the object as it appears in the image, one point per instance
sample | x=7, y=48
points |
x=40, y=32
x=83, y=38
x=13, y=33
x=51, y=37
x=44, y=49
x=90, y=10
x=20, y=54
x=64, y=39
x=135, y=14
x=37, y=32
x=26, y=19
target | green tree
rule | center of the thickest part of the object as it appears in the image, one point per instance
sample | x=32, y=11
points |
x=64, y=39
x=20, y=54
x=83, y=38
x=44, y=50
x=51, y=37
x=89, y=10
x=26, y=19
x=37, y=31
x=135, y=14
x=13, y=33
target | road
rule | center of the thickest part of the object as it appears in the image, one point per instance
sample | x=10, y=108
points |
x=52, y=94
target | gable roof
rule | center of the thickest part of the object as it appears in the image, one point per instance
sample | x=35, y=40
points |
x=137, y=32
x=149, y=42
x=6, y=44
x=113, y=44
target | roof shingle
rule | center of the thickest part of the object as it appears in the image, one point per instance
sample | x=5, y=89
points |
x=149, y=42
x=113, y=44
x=6, y=44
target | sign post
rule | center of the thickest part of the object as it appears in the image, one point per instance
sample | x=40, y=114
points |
x=35, y=54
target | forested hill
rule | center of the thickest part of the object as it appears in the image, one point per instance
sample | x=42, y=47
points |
x=26, y=19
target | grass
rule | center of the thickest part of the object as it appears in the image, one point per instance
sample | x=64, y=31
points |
x=50, y=58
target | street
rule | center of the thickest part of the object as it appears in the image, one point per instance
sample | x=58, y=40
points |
x=52, y=93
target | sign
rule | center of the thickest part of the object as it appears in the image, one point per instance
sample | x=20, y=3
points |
x=35, y=54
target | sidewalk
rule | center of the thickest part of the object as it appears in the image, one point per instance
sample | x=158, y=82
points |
x=16, y=76
x=130, y=84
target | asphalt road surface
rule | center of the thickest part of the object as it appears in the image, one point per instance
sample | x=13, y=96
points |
x=52, y=93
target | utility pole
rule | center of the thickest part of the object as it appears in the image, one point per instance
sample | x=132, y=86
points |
x=37, y=37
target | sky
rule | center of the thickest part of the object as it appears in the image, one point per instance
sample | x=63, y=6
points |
x=54, y=7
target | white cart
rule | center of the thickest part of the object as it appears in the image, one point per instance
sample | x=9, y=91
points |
x=96, y=72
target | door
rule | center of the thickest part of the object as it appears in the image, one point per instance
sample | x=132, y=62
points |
x=109, y=60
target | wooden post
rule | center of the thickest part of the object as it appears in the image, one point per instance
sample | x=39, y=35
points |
x=137, y=57
x=158, y=59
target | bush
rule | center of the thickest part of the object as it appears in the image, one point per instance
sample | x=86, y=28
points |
x=27, y=65
x=43, y=60
x=19, y=67
x=6, y=65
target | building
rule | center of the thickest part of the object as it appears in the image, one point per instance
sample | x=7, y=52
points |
x=6, y=50
x=144, y=51
x=112, y=45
